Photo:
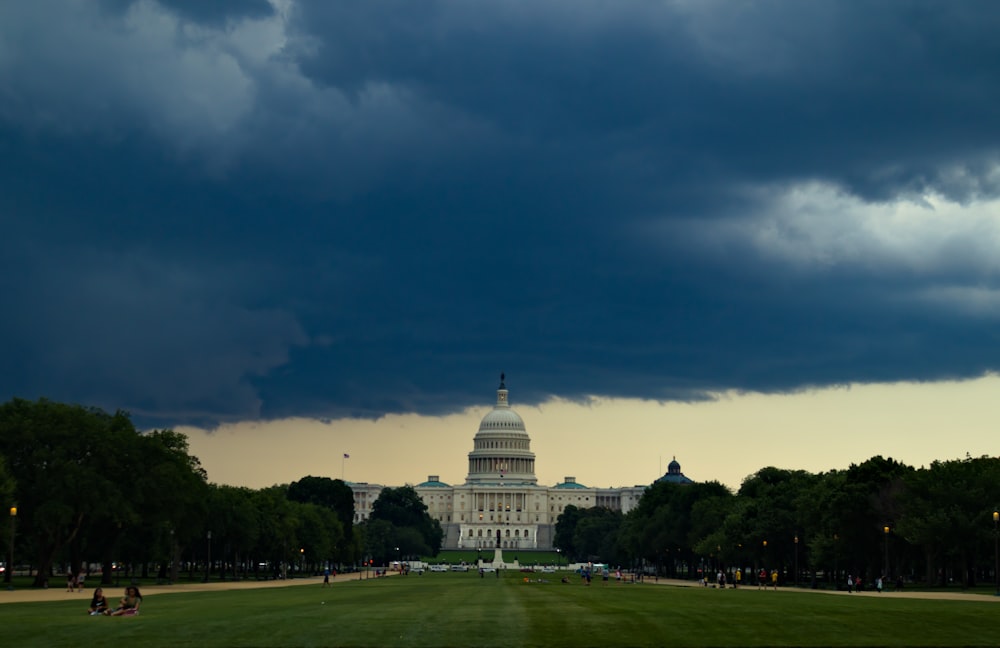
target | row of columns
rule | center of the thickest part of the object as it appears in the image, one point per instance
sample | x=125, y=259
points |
x=501, y=502
x=515, y=466
x=485, y=538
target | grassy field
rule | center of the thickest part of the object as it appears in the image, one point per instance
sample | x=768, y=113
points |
x=461, y=609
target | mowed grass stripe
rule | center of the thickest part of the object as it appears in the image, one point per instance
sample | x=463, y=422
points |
x=465, y=610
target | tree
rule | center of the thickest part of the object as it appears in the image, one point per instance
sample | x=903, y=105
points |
x=72, y=466
x=596, y=534
x=171, y=497
x=566, y=531
x=319, y=532
x=947, y=512
x=661, y=525
x=771, y=514
x=402, y=507
x=233, y=519
x=380, y=537
x=278, y=526
x=333, y=494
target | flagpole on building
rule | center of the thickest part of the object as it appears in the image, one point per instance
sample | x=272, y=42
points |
x=342, y=460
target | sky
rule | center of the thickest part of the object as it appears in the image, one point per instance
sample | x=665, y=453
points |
x=762, y=230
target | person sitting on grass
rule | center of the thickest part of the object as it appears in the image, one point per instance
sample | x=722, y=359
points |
x=98, y=603
x=129, y=605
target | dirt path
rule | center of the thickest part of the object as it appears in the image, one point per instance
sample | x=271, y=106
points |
x=941, y=596
x=28, y=595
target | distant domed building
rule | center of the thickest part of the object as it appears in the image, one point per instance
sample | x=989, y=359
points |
x=501, y=504
x=674, y=474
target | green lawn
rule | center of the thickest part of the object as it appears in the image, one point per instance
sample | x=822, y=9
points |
x=461, y=609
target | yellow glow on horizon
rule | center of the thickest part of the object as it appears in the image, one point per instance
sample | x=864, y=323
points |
x=624, y=442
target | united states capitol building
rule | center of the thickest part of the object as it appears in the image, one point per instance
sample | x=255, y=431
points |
x=501, y=503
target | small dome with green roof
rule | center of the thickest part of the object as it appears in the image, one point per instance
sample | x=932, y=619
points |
x=433, y=482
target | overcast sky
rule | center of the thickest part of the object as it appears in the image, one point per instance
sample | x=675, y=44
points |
x=239, y=212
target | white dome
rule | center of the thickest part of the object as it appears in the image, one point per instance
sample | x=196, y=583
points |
x=501, y=453
x=501, y=418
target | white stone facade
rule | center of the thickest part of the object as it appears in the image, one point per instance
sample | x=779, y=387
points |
x=501, y=503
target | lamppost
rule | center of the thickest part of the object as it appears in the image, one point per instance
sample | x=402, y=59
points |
x=302, y=561
x=208, y=545
x=886, y=570
x=796, y=560
x=996, y=549
x=9, y=573
x=836, y=577
x=173, y=559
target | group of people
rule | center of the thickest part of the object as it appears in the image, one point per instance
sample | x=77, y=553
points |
x=74, y=581
x=765, y=579
x=762, y=578
x=128, y=605
x=855, y=584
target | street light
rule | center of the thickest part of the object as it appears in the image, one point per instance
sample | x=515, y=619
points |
x=173, y=558
x=996, y=550
x=836, y=576
x=763, y=566
x=208, y=563
x=302, y=561
x=9, y=573
x=886, y=530
x=796, y=560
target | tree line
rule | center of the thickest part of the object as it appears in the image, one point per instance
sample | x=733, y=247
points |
x=878, y=518
x=90, y=489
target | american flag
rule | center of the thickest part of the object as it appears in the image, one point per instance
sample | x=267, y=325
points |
x=347, y=456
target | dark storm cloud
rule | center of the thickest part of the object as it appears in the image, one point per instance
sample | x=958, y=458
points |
x=220, y=211
x=215, y=12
